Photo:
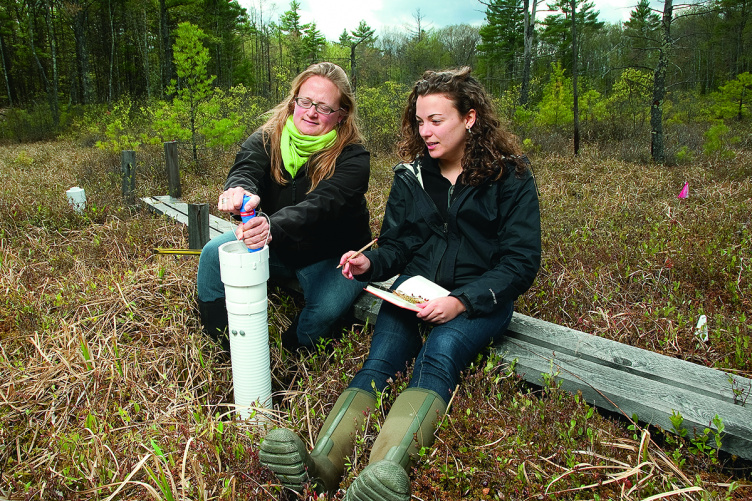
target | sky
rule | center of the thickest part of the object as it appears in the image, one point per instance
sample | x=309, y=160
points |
x=334, y=16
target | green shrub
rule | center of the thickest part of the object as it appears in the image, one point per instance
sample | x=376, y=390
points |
x=717, y=141
x=684, y=155
x=380, y=112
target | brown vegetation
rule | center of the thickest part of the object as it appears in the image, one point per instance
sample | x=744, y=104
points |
x=109, y=391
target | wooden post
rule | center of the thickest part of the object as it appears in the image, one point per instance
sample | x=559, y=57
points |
x=173, y=172
x=127, y=169
x=198, y=225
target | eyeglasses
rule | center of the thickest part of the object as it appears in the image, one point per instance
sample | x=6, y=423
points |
x=306, y=103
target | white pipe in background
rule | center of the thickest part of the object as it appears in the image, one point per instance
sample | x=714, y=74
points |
x=76, y=198
x=245, y=275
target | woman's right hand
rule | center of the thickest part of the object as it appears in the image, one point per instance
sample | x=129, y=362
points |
x=231, y=200
x=355, y=266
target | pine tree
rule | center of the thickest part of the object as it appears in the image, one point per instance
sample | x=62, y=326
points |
x=643, y=32
x=502, y=40
x=362, y=35
x=557, y=28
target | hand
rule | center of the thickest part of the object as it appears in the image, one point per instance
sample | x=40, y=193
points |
x=440, y=310
x=355, y=266
x=254, y=233
x=231, y=200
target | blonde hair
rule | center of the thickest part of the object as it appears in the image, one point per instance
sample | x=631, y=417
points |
x=321, y=164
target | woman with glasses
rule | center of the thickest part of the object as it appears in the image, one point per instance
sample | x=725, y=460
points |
x=307, y=169
x=463, y=212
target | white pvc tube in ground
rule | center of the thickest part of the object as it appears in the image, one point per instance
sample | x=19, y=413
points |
x=76, y=198
x=244, y=275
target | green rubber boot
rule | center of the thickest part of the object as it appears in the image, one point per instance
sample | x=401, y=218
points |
x=283, y=452
x=410, y=425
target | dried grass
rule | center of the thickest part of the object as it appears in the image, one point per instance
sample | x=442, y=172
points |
x=108, y=390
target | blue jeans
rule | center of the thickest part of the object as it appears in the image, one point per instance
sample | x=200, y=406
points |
x=440, y=360
x=328, y=295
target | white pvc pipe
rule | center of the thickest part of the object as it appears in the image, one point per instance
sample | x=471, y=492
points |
x=245, y=275
x=76, y=198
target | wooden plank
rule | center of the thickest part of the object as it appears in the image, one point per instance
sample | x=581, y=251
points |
x=629, y=380
x=625, y=358
x=177, y=210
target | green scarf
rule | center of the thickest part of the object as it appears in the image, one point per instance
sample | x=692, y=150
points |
x=297, y=147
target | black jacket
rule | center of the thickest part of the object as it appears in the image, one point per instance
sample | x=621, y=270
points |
x=486, y=253
x=308, y=227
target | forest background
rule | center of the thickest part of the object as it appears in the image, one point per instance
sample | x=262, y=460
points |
x=127, y=73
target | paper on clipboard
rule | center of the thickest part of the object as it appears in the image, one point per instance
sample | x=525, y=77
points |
x=415, y=287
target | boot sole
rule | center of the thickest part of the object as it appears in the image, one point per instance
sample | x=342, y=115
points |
x=284, y=454
x=381, y=481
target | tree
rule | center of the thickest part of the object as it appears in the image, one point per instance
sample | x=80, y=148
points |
x=529, y=26
x=629, y=100
x=557, y=28
x=313, y=43
x=419, y=31
x=555, y=108
x=735, y=15
x=502, y=39
x=735, y=96
x=575, y=96
x=291, y=26
x=362, y=35
x=78, y=10
x=193, y=86
x=460, y=42
x=642, y=30
x=659, y=85
x=164, y=37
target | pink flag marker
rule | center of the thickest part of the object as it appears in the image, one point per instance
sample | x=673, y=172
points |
x=684, y=191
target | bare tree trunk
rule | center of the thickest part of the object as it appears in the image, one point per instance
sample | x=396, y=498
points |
x=147, y=71
x=47, y=85
x=529, y=21
x=576, y=107
x=659, y=87
x=740, y=38
x=6, y=71
x=166, y=45
x=112, y=52
x=54, y=104
x=353, y=73
x=80, y=30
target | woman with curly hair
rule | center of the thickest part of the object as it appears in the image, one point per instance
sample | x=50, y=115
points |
x=463, y=212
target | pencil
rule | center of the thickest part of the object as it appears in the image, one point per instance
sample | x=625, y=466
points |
x=359, y=252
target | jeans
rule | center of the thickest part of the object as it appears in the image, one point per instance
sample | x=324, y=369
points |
x=440, y=360
x=328, y=295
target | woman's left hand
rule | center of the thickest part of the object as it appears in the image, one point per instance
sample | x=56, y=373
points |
x=440, y=310
x=254, y=233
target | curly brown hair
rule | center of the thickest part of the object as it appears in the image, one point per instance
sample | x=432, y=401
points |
x=488, y=143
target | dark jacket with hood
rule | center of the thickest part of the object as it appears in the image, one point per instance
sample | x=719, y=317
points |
x=308, y=227
x=486, y=252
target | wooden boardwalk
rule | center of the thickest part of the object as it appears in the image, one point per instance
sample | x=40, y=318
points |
x=177, y=210
x=612, y=376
